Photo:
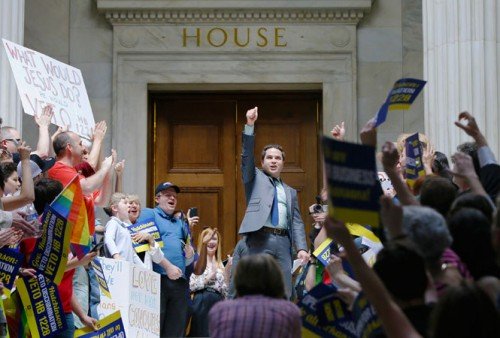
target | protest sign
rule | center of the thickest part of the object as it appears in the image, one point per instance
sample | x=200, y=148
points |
x=42, y=80
x=42, y=304
x=414, y=167
x=10, y=262
x=103, y=285
x=365, y=318
x=352, y=182
x=51, y=249
x=108, y=327
x=324, y=314
x=401, y=96
x=147, y=225
x=136, y=294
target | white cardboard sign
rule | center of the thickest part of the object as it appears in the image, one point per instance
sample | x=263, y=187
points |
x=42, y=80
x=135, y=291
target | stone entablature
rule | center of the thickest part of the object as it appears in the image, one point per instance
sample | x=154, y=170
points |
x=158, y=12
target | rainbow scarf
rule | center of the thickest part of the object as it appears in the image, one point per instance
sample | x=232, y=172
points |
x=70, y=205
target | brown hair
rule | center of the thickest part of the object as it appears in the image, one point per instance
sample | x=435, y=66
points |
x=269, y=146
x=218, y=255
x=259, y=275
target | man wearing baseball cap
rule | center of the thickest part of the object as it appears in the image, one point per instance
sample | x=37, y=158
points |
x=174, y=285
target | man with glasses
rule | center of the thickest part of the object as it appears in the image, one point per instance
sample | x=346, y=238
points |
x=11, y=138
x=174, y=284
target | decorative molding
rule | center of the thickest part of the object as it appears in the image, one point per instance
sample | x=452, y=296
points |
x=236, y=12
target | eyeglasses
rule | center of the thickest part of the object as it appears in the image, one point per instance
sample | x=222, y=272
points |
x=16, y=141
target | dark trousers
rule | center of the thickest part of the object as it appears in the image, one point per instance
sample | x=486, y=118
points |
x=173, y=307
x=203, y=301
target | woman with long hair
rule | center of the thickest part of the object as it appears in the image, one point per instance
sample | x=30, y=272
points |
x=211, y=286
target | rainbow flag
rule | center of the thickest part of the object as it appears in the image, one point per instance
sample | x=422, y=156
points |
x=15, y=314
x=70, y=205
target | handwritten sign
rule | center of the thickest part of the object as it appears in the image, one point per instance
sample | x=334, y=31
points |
x=42, y=80
x=136, y=294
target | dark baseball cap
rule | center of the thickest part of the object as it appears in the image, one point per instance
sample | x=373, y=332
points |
x=164, y=186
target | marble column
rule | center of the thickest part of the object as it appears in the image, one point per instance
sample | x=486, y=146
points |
x=12, y=28
x=461, y=43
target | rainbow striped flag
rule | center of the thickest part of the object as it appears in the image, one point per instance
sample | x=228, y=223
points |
x=15, y=314
x=70, y=205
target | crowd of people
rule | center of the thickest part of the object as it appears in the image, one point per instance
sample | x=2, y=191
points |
x=437, y=274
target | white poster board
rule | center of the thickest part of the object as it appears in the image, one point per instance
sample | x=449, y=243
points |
x=135, y=291
x=42, y=80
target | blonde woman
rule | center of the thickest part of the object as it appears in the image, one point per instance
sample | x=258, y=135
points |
x=212, y=285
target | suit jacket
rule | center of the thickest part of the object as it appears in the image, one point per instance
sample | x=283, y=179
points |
x=259, y=193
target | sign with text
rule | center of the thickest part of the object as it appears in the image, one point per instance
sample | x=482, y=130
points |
x=10, y=262
x=108, y=327
x=51, y=249
x=148, y=225
x=136, y=294
x=42, y=304
x=324, y=314
x=414, y=167
x=401, y=96
x=42, y=80
x=99, y=273
x=352, y=182
x=367, y=322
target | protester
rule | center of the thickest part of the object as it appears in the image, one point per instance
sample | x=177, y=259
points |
x=272, y=223
x=212, y=285
x=260, y=309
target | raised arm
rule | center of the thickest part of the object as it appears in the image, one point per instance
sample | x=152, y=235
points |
x=43, y=122
x=27, y=194
x=94, y=182
x=248, y=144
x=394, y=321
x=97, y=140
x=390, y=158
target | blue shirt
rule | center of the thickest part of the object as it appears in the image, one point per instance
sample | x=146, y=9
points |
x=173, y=236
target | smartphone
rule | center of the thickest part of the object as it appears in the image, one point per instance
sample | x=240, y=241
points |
x=97, y=247
x=193, y=212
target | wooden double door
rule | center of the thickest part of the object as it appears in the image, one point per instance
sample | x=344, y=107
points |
x=196, y=144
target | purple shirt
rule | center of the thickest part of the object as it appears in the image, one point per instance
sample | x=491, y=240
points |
x=253, y=317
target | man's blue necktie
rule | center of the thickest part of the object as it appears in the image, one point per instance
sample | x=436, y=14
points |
x=274, y=209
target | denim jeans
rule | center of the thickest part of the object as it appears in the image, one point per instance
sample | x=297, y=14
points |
x=70, y=331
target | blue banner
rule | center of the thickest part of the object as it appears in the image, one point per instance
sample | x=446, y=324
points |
x=401, y=96
x=51, y=249
x=352, y=181
x=367, y=322
x=324, y=314
x=103, y=285
x=108, y=327
x=42, y=304
x=147, y=225
x=414, y=167
x=10, y=262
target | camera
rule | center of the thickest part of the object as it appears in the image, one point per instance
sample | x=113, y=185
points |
x=318, y=207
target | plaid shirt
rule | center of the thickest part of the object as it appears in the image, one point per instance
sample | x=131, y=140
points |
x=255, y=316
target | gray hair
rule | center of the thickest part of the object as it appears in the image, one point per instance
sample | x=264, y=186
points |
x=427, y=229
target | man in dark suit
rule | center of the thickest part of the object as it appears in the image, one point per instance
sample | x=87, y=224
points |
x=272, y=222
